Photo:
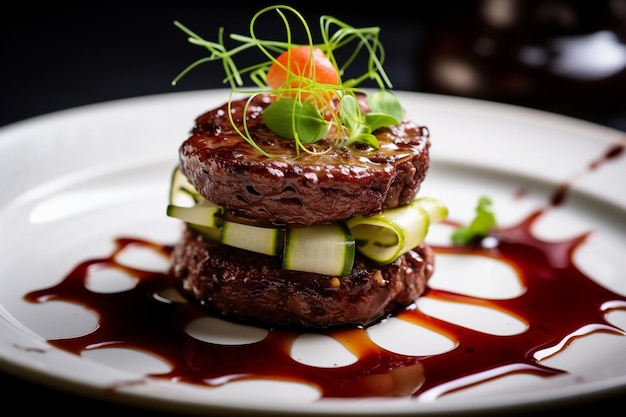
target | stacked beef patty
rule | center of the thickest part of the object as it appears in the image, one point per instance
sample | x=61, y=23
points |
x=294, y=188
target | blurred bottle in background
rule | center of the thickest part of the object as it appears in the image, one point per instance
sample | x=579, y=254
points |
x=562, y=56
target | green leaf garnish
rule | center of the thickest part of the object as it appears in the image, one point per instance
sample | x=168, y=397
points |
x=479, y=227
x=306, y=109
x=378, y=120
x=292, y=119
x=358, y=131
x=386, y=103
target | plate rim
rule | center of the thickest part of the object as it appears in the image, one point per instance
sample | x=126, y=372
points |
x=9, y=134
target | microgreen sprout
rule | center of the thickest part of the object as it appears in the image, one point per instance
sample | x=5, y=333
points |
x=311, y=99
x=480, y=226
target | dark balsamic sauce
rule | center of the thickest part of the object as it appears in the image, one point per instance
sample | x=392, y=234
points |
x=137, y=319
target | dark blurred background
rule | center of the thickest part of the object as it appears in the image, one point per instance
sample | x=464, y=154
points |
x=567, y=57
x=56, y=56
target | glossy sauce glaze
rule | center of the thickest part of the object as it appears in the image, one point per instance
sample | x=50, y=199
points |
x=137, y=319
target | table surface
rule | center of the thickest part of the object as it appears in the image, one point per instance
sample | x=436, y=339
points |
x=58, y=57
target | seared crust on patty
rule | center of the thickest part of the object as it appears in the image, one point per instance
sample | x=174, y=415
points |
x=248, y=286
x=309, y=189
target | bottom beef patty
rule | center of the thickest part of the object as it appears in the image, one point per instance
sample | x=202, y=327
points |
x=247, y=286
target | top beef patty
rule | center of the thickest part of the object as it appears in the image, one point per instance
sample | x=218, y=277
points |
x=308, y=189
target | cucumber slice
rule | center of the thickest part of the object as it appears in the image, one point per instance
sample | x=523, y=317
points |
x=386, y=236
x=326, y=249
x=211, y=234
x=436, y=210
x=182, y=193
x=264, y=240
x=364, y=232
x=204, y=213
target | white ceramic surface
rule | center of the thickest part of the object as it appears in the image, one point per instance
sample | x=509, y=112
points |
x=73, y=180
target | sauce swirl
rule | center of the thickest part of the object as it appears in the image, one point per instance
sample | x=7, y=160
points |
x=138, y=319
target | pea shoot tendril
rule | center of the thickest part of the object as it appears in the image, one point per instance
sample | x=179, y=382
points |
x=310, y=96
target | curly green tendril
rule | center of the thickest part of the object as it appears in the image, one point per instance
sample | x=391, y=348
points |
x=305, y=111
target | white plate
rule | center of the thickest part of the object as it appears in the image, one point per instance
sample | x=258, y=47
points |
x=74, y=180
